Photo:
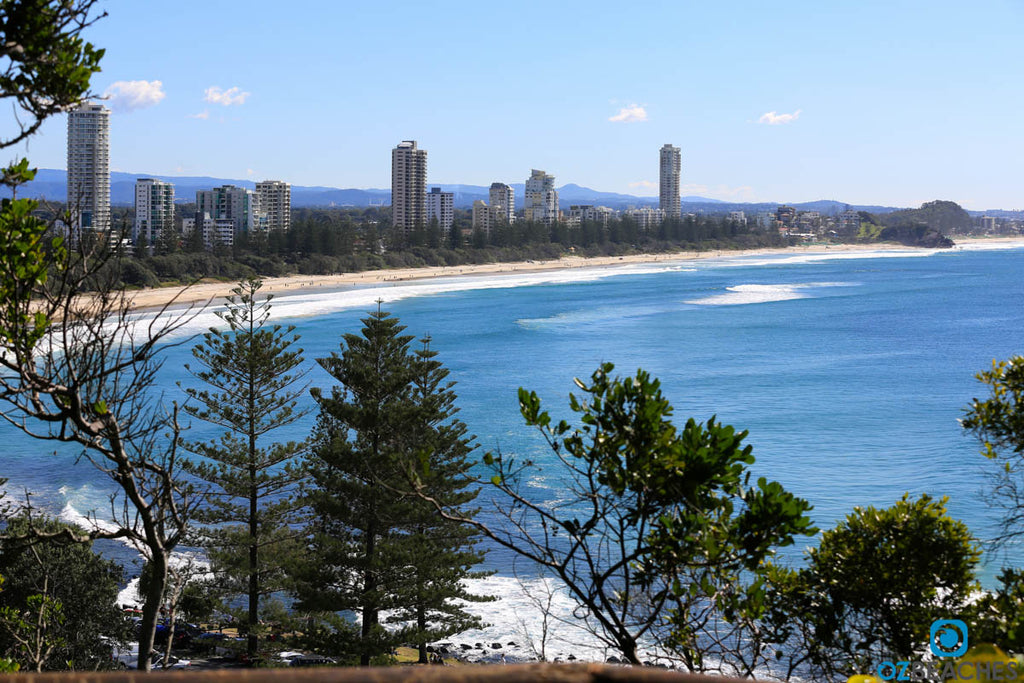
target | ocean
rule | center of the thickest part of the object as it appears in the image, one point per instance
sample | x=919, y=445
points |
x=848, y=369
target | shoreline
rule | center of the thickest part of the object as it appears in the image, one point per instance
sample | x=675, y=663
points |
x=206, y=293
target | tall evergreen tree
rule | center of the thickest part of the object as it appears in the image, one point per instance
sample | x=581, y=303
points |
x=253, y=373
x=373, y=547
x=443, y=553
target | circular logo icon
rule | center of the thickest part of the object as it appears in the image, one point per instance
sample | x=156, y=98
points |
x=948, y=638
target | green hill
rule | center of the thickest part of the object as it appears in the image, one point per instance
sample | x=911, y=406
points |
x=923, y=227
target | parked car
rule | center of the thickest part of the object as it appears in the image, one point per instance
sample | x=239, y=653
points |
x=129, y=659
x=312, y=660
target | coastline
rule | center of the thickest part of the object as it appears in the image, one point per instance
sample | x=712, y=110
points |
x=212, y=292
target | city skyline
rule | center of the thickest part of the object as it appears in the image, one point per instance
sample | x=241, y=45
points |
x=874, y=103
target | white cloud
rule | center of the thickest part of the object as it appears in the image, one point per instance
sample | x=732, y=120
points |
x=131, y=95
x=215, y=95
x=204, y=114
x=646, y=184
x=774, y=119
x=250, y=172
x=632, y=113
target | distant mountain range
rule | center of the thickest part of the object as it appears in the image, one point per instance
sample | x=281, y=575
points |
x=51, y=184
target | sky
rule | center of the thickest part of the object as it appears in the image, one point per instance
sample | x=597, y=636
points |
x=887, y=102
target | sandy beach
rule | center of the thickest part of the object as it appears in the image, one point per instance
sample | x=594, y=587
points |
x=204, y=292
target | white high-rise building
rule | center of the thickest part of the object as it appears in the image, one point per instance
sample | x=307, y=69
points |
x=235, y=204
x=503, y=202
x=154, y=211
x=274, y=198
x=88, y=188
x=541, y=198
x=441, y=205
x=408, y=186
x=668, y=194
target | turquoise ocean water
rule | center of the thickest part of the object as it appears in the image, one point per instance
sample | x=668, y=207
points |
x=849, y=370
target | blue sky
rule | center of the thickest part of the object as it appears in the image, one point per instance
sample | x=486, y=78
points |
x=867, y=102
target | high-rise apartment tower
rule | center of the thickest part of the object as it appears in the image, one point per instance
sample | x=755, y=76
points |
x=541, y=198
x=408, y=186
x=236, y=204
x=274, y=199
x=503, y=202
x=671, y=165
x=89, y=167
x=154, y=211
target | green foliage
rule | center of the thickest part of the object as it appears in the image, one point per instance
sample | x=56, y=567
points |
x=26, y=255
x=64, y=592
x=8, y=665
x=655, y=524
x=32, y=628
x=869, y=232
x=876, y=582
x=252, y=371
x=374, y=547
x=944, y=216
x=998, y=617
x=45, y=66
x=198, y=601
x=998, y=422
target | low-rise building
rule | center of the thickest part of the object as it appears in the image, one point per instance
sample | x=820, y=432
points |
x=215, y=231
x=785, y=217
x=646, y=217
x=849, y=222
x=587, y=212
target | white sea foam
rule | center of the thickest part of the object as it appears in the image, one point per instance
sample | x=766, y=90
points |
x=817, y=257
x=88, y=521
x=193, y=563
x=983, y=245
x=759, y=294
x=518, y=616
x=586, y=316
x=91, y=521
x=129, y=595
